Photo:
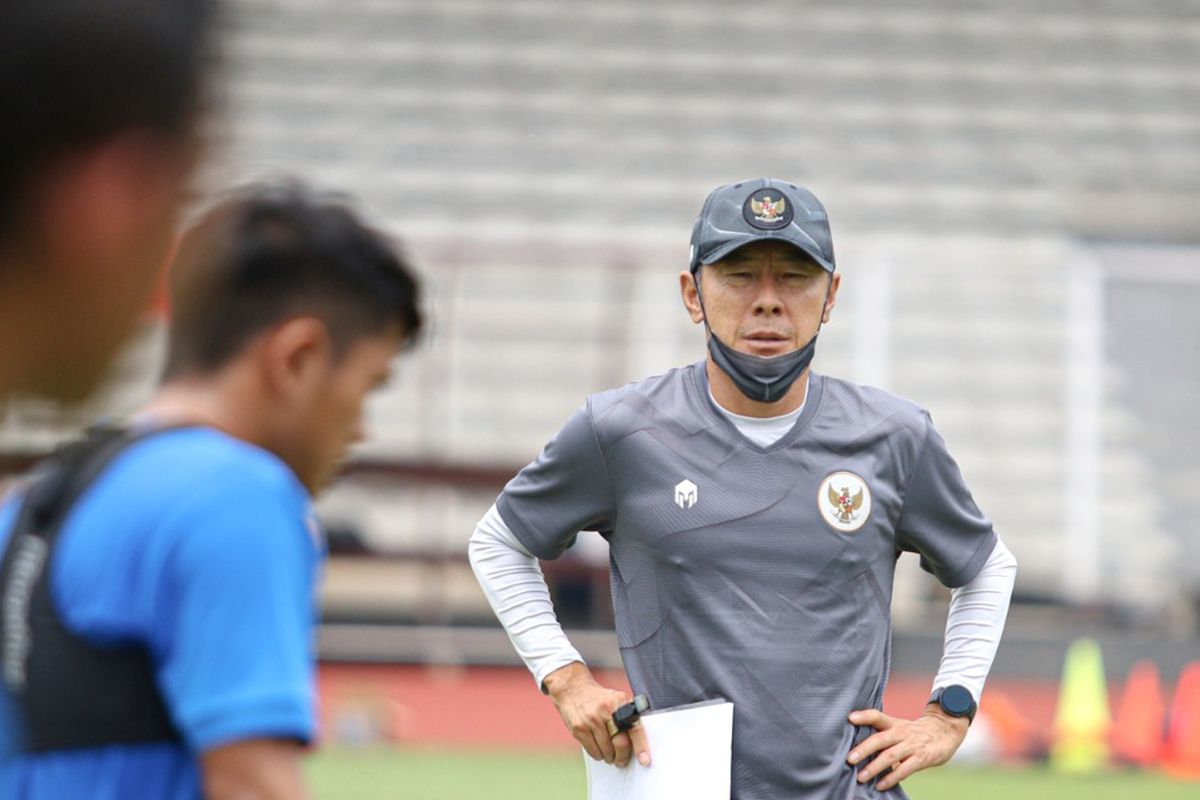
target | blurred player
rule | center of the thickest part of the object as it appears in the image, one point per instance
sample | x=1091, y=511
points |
x=158, y=581
x=100, y=110
x=754, y=512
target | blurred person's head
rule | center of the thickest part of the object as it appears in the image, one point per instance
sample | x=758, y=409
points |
x=286, y=310
x=100, y=112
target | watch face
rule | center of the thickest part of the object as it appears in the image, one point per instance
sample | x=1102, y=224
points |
x=957, y=701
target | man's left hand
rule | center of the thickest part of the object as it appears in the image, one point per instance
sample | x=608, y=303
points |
x=904, y=746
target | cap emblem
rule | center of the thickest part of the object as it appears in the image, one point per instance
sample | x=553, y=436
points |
x=767, y=209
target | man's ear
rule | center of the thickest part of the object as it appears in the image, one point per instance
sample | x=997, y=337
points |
x=691, y=296
x=294, y=354
x=835, y=281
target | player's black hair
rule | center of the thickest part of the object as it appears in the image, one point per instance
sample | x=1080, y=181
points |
x=74, y=73
x=272, y=252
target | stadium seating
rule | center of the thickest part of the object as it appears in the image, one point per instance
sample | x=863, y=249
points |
x=544, y=162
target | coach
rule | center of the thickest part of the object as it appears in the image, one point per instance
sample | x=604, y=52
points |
x=755, y=511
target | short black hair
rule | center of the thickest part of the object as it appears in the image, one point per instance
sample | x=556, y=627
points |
x=75, y=72
x=271, y=252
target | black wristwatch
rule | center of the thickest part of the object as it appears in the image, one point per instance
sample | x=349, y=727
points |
x=956, y=701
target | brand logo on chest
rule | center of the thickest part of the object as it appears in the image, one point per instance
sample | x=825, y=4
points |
x=845, y=501
x=686, y=494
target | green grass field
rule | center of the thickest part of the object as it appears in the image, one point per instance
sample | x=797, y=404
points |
x=379, y=774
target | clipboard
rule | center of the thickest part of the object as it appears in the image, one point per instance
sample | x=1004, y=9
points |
x=690, y=748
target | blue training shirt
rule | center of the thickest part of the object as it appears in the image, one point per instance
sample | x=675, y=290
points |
x=205, y=549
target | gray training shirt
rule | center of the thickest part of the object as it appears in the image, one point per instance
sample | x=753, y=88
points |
x=762, y=575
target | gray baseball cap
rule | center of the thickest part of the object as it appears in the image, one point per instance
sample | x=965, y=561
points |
x=761, y=210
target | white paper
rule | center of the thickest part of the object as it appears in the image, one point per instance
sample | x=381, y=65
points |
x=689, y=757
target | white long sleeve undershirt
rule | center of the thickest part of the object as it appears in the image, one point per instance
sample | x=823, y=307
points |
x=513, y=582
x=514, y=585
x=975, y=622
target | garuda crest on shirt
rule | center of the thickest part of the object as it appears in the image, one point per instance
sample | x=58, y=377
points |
x=845, y=501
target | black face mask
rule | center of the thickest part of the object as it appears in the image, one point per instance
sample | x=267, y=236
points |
x=763, y=379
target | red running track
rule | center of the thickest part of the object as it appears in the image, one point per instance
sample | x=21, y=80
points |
x=445, y=706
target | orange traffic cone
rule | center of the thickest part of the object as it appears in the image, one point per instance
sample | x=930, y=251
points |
x=1014, y=732
x=1137, y=735
x=1182, y=757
